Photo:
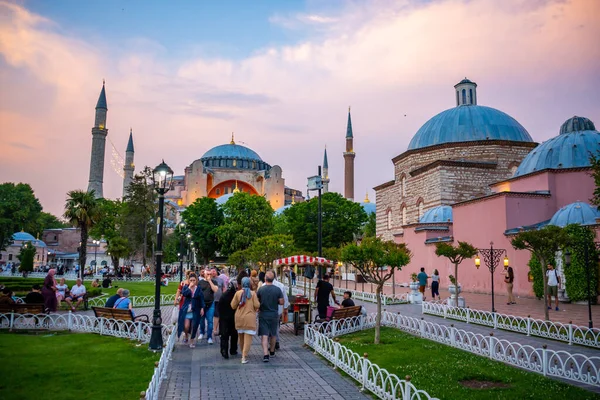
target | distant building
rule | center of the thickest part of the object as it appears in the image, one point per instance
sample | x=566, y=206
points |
x=8, y=257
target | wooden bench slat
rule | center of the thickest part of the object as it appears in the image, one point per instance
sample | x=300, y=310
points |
x=22, y=308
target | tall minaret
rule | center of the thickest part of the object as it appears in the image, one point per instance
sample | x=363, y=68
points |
x=99, y=133
x=325, y=175
x=349, y=162
x=129, y=167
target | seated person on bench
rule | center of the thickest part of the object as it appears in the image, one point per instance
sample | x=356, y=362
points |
x=77, y=293
x=110, y=303
x=35, y=296
x=348, y=302
x=124, y=303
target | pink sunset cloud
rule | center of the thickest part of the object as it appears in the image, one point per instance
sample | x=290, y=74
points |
x=537, y=61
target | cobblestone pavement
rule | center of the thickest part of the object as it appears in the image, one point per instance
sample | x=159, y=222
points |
x=294, y=373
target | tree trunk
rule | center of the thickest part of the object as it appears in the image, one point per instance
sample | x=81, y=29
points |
x=83, y=250
x=545, y=280
x=378, y=318
x=456, y=285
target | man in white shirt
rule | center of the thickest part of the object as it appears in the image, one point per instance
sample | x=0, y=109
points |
x=77, y=292
x=281, y=308
x=553, y=284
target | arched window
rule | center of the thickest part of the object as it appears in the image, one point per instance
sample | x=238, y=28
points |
x=471, y=96
x=420, y=206
x=464, y=96
x=403, y=215
x=389, y=219
x=403, y=182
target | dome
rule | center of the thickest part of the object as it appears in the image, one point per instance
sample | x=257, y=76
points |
x=223, y=199
x=232, y=151
x=468, y=123
x=575, y=213
x=23, y=236
x=437, y=215
x=280, y=210
x=370, y=208
x=570, y=149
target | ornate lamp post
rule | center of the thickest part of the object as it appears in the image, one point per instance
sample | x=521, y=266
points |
x=162, y=177
x=588, y=266
x=96, y=243
x=491, y=257
x=181, y=227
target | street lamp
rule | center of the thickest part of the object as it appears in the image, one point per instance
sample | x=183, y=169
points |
x=491, y=257
x=162, y=177
x=586, y=256
x=181, y=227
x=96, y=243
x=316, y=183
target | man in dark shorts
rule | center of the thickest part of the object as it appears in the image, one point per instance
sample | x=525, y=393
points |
x=270, y=297
x=322, y=292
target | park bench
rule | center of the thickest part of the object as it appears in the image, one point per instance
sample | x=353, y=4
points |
x=118, y=314
x=336, y=320
x=22, y=308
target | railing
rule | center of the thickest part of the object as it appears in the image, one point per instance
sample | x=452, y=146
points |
x=160, y=370
x=386, y=299
x=368, y=374
x=72, y=276
x=569, y=333
x=136, y=301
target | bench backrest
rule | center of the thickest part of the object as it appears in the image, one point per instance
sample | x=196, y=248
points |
x=113, y=313
x=346, y=312
x=22, y=308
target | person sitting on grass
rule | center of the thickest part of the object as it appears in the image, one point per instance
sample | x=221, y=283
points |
x=35, y=296
x=110, y=302
x=124, y=303
x=347, y=302
x=96, y=283
x=6, y=297
x=106, y=283
x=77, y=293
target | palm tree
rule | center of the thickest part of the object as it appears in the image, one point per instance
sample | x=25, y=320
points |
x=82, y=210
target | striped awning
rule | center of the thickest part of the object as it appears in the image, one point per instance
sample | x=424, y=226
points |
x=302, y=260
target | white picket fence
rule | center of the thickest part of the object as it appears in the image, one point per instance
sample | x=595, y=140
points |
x=400, y=298
x=160, y=369
x=136, y=301
x=71, y=276
x=569, y=333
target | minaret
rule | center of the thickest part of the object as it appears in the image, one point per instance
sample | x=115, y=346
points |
x=325, y=175
x=99, y=133
x=349, y=162
x=129, y=167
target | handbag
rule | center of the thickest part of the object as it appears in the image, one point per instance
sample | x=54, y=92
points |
x=175, y=315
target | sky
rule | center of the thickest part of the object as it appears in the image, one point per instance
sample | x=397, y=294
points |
x=281, y=75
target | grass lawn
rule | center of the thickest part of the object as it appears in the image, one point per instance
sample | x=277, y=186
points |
x=438, y=369
x=73, y=366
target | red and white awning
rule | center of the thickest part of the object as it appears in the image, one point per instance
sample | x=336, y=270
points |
x=302, y=260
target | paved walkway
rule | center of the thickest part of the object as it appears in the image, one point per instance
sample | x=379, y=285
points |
x=294, y=373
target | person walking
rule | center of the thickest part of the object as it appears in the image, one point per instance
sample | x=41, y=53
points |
x=246, y=304
x=322, y=292
x=209, y=288
x=435, y=284
x=509, y=279
x=49, y=292
x=281, y=308
x=270, y=297
x=422, y=277
x=191, y=310
x=553, y=285
x=228, y=333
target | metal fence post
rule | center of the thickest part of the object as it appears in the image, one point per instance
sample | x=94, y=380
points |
x=452, y=335
x=468, y=314
x=139, y=331
x=365, y=373
x=12, y=320
x=422, y=327
x=570, y=332
x=529, y=325
x=492, y=345
x=544, y=360
x=70, y=320
x=101, y=325
x=406, y=394
x=336, y=354
x=445, y=308
x=495, y=318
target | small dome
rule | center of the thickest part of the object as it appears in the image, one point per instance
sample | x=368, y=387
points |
x=370, y=208
x=465, y=81
x=467, y=123
x=577, y=124
x=575, y=213
x=437, y=215
x=23, y=236
x=570, y=149
x=223, y=199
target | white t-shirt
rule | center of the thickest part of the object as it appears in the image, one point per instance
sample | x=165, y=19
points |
x=435, y=278
x=552, y=277
x=62, y=289
x=77, y=291
x=286, y=302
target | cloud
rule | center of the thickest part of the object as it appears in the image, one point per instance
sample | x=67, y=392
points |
x=20, y=145
x=537, y=61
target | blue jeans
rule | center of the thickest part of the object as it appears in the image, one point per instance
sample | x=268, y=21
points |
x=209, y=313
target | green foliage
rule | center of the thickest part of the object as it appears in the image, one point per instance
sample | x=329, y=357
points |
x=26, y=256
x=536, y=271
x=82, y=211
x=369, y=229
x=268, y=248
x=456, y=255
x=19, y=210
x=576, y=273
x=280, y=225
x=342, y=221
x=202, y=218
x=439, y=369
x=413, y=277
x=246, y=218
x=47, y=221
x=332, y=253
x=171, y=243
x=118, y=247
x=595, y=163
x=82, y=357
x=239, y=259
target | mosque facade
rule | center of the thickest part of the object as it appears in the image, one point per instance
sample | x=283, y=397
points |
x=473, y=173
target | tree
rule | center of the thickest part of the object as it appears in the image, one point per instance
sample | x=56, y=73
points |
x=118, y=247
x=171, y=242
x=576, y=274
x=456, y=255
x=19, y=210
x=47, y=221
x=376, y=260
x=202, y=219
x=109, y=226
x=239, y=258
x=342, y=220
x=246, y=218
x=543, y=244
x=280, y=225
x=595, y=163
x=26, y=256
x=268, y=248
x=369, y=229
x=81, y=210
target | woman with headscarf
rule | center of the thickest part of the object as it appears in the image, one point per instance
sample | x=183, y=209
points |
x=227, y=322
x=191, y=310
x=246, y=303
x=49, y=292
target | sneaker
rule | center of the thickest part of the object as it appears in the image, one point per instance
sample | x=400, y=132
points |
x=276, y=345
x=201, y=336
x=266, y=358
x=272, y=354
x=556, y=308
x=244, y=361
x=210, y=341
x=192, y=345
x=185, y=340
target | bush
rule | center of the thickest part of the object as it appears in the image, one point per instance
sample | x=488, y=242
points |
x=576, y=274
x=536, y=271
x=94, y=292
